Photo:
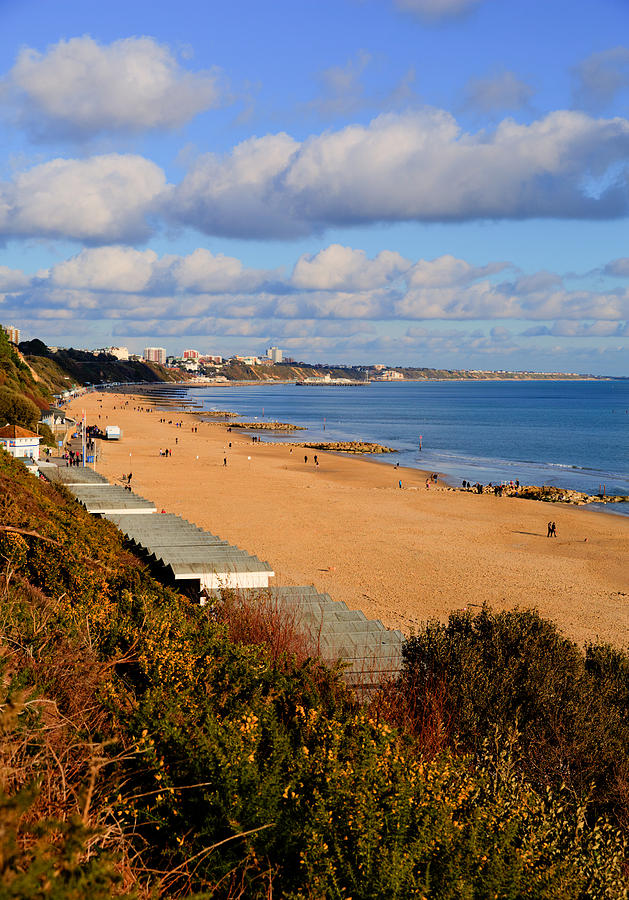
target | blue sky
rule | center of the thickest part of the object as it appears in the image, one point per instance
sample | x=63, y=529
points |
x=421, y=182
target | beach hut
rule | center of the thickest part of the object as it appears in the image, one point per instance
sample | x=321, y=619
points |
x=20, y=442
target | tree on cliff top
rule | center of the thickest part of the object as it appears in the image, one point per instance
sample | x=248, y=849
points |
x=17, y=409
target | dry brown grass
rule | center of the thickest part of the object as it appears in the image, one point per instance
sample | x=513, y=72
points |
x=261, y=618
x=426, y=718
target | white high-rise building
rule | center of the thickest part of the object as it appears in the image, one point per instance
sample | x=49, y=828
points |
x=12, y=333
x=155, y=354
x=274, y=354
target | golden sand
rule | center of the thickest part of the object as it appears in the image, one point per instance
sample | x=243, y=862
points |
x=403, y=556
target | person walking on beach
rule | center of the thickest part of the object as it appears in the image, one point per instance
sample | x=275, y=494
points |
x=550, y=530
x=224, y=461
x=305, y=459
x=553, y=529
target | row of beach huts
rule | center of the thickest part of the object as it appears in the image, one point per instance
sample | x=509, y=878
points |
x=202, y=565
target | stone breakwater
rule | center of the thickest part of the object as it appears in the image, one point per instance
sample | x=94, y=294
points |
x=346, y=446
x=267, y=426
x=549, y=494
x=546, y=494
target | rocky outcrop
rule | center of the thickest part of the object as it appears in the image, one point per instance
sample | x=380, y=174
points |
x=347, y=446
x=549, y=494
x=267, y=426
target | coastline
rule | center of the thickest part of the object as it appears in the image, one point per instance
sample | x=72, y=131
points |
x=403, y=556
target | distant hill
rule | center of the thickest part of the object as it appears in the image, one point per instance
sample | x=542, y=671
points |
x=238, y=371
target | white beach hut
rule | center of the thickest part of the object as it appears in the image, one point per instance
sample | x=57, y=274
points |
x=20, y=442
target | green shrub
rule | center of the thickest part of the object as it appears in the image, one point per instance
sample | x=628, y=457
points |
x=513, y=672
x=17, y=409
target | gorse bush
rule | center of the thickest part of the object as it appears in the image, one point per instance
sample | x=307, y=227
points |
x=513, y=673
x=208, y=759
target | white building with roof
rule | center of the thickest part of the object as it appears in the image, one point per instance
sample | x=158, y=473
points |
x=20, y=442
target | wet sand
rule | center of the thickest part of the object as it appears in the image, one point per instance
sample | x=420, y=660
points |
x=403, y=556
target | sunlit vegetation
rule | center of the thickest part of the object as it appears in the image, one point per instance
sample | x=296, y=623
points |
x=21, y=397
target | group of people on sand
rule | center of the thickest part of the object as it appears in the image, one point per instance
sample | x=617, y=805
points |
x=165, y=452
x=552, y=530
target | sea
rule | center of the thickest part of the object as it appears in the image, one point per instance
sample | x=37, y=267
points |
x=571, y=434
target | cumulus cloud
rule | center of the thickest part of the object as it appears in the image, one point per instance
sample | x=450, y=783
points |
x=340, y=268
x=437, y=10
x=101, y=199
x=203, y=271
x=105, y=269
x=340, y=286
x=599, y=77
x=499, y=93
x=419, y=166
x=230, y=195
x=448, y=271
x=13, y=279
x=124, y=270
x=79, y=88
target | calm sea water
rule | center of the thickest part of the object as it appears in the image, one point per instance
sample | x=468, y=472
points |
x=571, y=434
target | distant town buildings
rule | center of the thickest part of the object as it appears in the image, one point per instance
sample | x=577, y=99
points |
x=155, y=354
x=274, y=354
x=191, y=354
x=12, y=333
x=389, y=375
x=119, y=352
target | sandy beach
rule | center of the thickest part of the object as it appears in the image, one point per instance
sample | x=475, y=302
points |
x=400, y=555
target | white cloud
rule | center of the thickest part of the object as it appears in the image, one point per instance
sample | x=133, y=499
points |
x=435, y=10
x=13, y=279
x=205, y=272
x=79, y=88
x=233, y=195
x=340, y=286
x=106, y=269
x=448, y=271
x=415, y=167
x=101, y=199
x=340, y=268
x=124, y=270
